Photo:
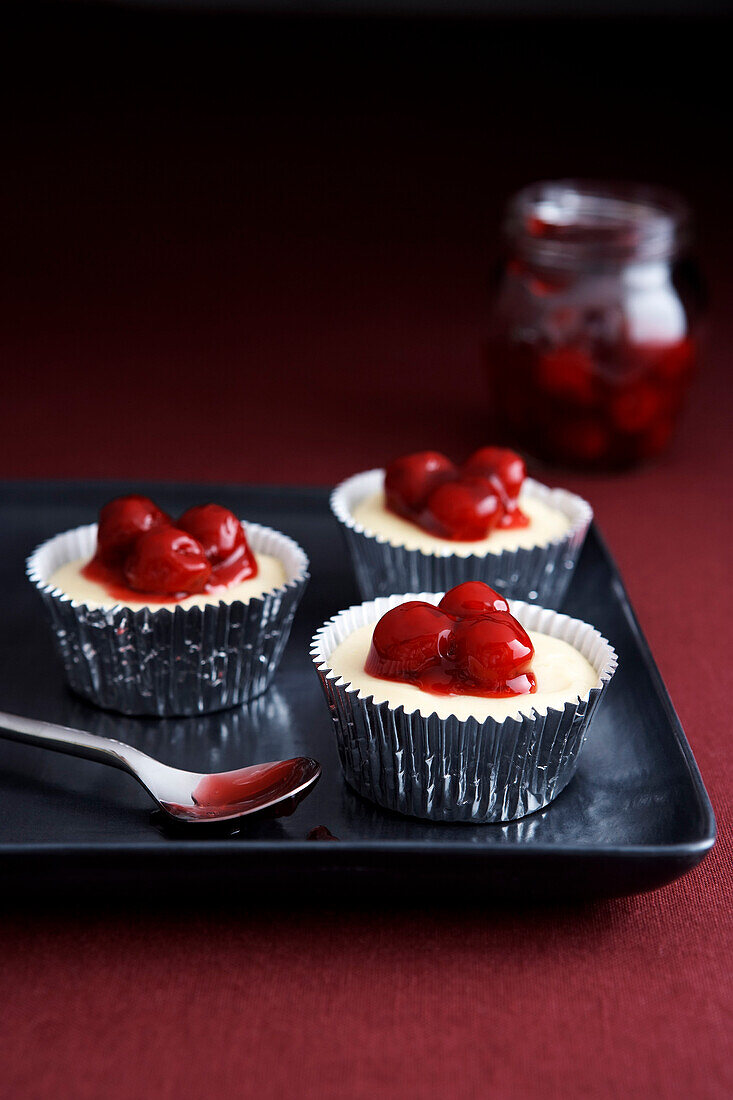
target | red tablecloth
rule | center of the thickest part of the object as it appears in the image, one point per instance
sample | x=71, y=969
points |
x=206, y=319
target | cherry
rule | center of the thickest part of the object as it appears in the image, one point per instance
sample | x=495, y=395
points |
x=409, y=480
x=407, y=640
x=216, y=528
x=206, y=550
x=466, y=509
x=167, y=561
x=655, y=440
x=586, y=439
x=494, y=653
x=224, y=542
x=471, y=599
x=501, y=463
x=121, y=521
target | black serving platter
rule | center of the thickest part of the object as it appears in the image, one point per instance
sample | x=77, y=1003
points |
x=635, y=816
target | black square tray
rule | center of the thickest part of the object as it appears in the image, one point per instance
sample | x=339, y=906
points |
x=635, y=816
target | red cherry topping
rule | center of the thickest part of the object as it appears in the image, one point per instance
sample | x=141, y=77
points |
x=121, y=521
x=472, y=598
x=464, y=503
x=467, y=509
x=469, y=645
x=224, y=542
x=206, y=551
x=410, y=480
x=167, y=561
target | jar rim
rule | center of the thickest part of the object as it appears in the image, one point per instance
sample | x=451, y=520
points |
x=576, y=222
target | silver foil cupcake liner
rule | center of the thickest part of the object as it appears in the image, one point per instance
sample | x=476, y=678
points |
x=447, y=769
x=170, y=662
x=540, y=574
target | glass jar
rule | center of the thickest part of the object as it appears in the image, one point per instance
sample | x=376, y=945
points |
x=592, y=342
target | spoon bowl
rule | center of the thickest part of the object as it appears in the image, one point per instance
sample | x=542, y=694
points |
x=221, y=796
x=190, y=797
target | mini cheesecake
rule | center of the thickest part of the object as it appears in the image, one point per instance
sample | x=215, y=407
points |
x=460, y=707
x=169, y=616
x=425, y=523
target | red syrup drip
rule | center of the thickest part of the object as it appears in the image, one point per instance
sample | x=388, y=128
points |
x=112, y=581
x=464, y=503
x=228, y=794
x=469, y=644
x=512, y=519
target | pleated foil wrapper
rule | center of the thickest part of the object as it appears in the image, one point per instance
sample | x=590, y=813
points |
x=540, y=574
x=452, y=770
x=170, y=662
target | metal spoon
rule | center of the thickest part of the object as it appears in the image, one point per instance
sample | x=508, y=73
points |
x=186, y=796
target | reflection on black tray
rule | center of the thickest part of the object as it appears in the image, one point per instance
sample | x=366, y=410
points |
x=253, y=733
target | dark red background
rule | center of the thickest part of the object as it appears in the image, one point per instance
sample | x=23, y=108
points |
x=261, y=251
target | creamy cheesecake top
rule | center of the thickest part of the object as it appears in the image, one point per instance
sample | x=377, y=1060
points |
x=545, y=525
x=561, y=671
x=71, y=580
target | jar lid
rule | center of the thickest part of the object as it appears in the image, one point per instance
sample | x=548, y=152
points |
x=568, y=223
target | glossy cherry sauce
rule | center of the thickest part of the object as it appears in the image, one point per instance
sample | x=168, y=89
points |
x=470, y=644
x=462, y=503
x=141, y=551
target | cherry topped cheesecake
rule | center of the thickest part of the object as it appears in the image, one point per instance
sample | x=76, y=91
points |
x=144, y=558
x=428, y=523
x=460, y=706
x=162, y=615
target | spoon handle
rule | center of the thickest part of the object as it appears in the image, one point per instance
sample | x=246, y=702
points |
x=31, y=731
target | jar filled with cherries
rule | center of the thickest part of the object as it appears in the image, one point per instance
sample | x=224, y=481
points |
x=592, y=339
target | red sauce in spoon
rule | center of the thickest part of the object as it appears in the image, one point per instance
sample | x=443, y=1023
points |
x=243, y=791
